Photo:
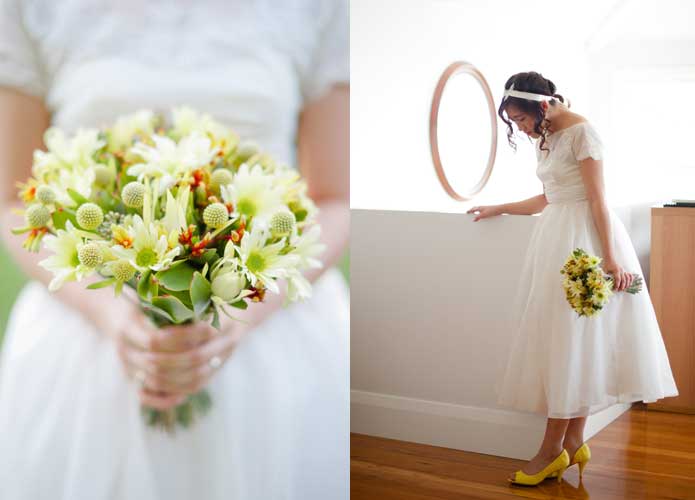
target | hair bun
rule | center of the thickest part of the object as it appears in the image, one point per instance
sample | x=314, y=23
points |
x=562, y=99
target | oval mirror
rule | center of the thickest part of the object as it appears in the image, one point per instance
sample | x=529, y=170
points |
x=463, y=131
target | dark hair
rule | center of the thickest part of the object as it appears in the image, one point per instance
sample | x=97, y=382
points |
x=529, y=82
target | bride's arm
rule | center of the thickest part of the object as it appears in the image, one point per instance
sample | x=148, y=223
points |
x=529, y=206
x=592, y=176
x=23, y=120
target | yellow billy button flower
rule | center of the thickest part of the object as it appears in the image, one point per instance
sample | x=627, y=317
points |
x=90, y=216
x=221, y=177
x=37, y=216
x=90, y=254
x=45, y=195
x=122, y=270
x=133, y=194
x=282, y=223
x=215, y=215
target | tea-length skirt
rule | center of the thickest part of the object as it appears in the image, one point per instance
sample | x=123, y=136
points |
x=561, y=365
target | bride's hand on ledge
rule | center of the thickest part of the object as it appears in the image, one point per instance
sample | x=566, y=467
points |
x=485, y=211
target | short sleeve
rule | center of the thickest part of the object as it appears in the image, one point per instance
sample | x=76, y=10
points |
x=19, y=65
x=329, y=62
x=586, y=143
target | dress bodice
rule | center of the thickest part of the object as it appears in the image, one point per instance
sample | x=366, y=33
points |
x=251, y=64
x=559, y=169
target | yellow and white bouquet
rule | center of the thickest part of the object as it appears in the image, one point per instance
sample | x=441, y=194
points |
x=192, y=219
x=587, y=289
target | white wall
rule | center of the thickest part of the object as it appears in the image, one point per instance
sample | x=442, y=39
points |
x=399, y=48
x=430, y=330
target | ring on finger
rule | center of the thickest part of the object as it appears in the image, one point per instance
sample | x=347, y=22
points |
x=140, y=376
x=215, y=362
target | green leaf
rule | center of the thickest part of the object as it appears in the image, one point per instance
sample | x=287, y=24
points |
x=173, y=307
x=200, y=294
x=210, y=256
x=158, y=314
x=183, y=296
x=184, y=414
x=240, y=304
x=60, y=218
x=215, y=318
x=145, y=286
x=79, y=199
x=178, y=277
x=101, y=284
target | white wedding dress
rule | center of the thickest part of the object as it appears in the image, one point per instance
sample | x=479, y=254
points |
x=562, y=365
x=69, y=415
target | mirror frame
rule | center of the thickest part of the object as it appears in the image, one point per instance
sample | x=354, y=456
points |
x=453, y=69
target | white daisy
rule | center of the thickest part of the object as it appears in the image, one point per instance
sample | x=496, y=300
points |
x=254, y=194
x=149, y=250
x=298, y=287
x=307, y=246
x=75, y=154
x=78, y=181
x=121, y=135
x=264, y=263
x=187, y=121
x=167, y=158
x=64, y=263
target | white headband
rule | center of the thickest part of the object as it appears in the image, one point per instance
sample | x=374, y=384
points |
x=527, y=95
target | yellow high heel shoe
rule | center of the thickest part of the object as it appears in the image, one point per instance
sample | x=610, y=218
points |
x=556, y=466
x=581, y=457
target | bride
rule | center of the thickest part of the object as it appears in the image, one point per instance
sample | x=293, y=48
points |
x=277, y=73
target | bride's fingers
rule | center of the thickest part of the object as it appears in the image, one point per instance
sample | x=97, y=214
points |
x=182, y=337
x=160, y=401
x=183, y=383
x=161, y=390
x=168, y=339
x=218, y=346
x=178, y=372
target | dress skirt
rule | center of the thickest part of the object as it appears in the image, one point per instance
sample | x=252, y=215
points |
x=562, y=365
x=278, y=427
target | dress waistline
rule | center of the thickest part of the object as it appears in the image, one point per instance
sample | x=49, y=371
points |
x=566, y=197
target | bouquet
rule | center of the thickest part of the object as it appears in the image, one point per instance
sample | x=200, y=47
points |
x=193, y=220
x=587, y=289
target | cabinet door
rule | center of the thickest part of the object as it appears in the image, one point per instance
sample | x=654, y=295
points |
x=672, y=289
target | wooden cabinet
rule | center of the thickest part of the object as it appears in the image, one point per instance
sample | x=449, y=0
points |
x=672, y=289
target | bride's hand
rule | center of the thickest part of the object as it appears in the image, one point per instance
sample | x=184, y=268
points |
x=485, y=211
x=178, y=360
x=137, y=338
x=621, y=278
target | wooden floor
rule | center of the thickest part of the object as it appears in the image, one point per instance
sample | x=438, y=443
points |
x=644, y=454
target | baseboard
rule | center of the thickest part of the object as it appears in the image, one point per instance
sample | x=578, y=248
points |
x=471, y=428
